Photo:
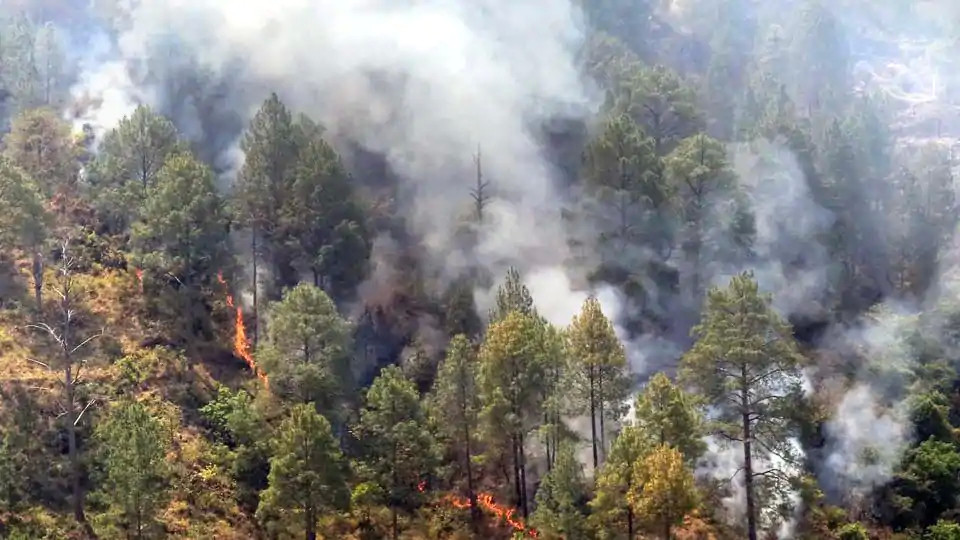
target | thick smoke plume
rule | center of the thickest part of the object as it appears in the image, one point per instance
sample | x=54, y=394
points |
x=421, y=83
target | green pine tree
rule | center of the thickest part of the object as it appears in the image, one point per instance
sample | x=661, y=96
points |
x=134, y=445
x=400, y=453
x=308, y=475
x=747, y=366
x=559, y=512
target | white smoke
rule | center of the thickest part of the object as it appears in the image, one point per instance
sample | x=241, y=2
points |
x=789, y=260
x=866, y=440
x=420, y=82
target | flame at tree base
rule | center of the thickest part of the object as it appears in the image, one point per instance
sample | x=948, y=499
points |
x=485, y=501
x=241, y=345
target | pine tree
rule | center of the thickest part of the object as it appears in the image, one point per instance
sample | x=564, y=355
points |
x=134, y=445
x=663, y=104
x=326, y=221
x=559, y=499
x=39, y=142
x=271, y=146
x=455, y=404
x=611, y=513
x=746, y=364
x=624, y=174
x=665, y=414
x=399, y=451
x=181, y=240
x=307, y=352
x=663, y=491
x=307, y=471
x=698, y=173
x=23, y=219
x=511, y=382
x=128, y=164
x=602, y=366
x=512, y=295
x=557, y=376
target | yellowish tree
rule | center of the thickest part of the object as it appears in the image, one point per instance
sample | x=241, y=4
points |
x=602, y=370
x=511, y=386
x=663, y=492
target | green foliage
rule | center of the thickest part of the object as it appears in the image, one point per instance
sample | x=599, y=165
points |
x=662, y=103
x=181, y=242
x=23, y=219
x=39, y=142
x=512, y=295
x=307, y=472
x=942, y=530
x=560, y=498
x=511, y=373
x=601, y=366
x=133, y=445
x=624, y=174
x=746, y=365
x=264, y=186
x=399, y=452
x=665, y=414
x=307, y=352
x=455, y=404
x=128, y=164
x=611, y=515
x=325, y=220
x=700, y=176
x=930, y=477
x=930, y=416
x=852, y=531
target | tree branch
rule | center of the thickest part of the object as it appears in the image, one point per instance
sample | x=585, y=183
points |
x=79, y=416
x=39, y=363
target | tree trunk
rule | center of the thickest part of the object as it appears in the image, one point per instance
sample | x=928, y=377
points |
x=629, y=522
x=516, y=471
x=549, y=436
x=748, y=460
x=72, y=446
x=523, y=478
x=666, y=529
x=396, y=525
x=256, y=314
x=310, y=525
x=474, y=510
x=603, y=445
x=593, y=417
x=38, y=280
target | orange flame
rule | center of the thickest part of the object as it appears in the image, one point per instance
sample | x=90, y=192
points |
x=241, y=345
x=486, y=502
x=139, y=273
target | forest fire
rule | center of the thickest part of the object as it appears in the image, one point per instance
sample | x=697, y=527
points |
x=139, y=273
x=486, y=502
x=241, y=345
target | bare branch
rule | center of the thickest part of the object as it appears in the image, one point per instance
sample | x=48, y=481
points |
x=44, y=327
x=88, y=340
x=734, y=475
x=79, y=416
x=39, y=363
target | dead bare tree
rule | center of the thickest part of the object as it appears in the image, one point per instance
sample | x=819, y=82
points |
x=69, y=362
x=478, y=193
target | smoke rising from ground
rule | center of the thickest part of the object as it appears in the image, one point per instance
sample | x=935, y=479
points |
x=423, y=83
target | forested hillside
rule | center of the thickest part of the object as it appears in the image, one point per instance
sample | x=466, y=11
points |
x=581, y=269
